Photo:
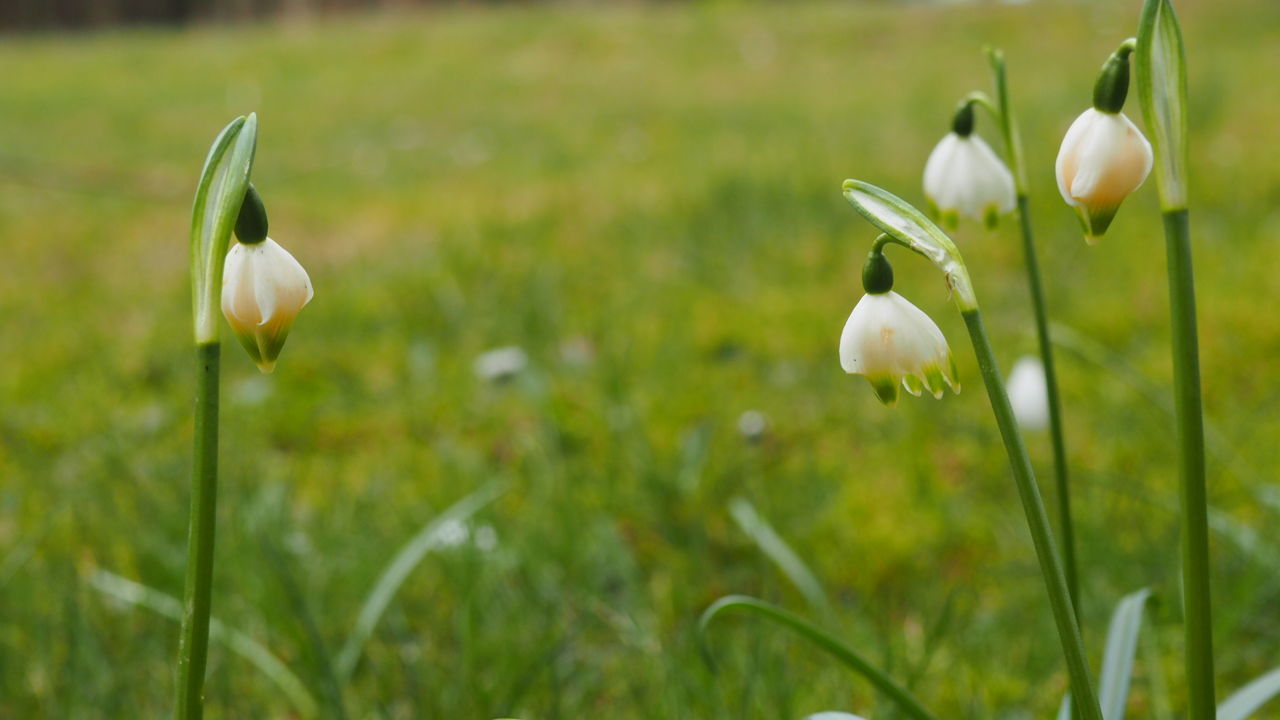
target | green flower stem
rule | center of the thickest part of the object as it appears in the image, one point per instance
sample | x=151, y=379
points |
x=1190, y=420
x=1061, y=478
x=1013, y=149
x=1037, y=521
x=193, y=646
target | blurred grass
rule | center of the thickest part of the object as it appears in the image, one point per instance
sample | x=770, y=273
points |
x=656, y=189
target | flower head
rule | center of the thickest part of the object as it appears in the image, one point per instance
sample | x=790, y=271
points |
x=1103, y=158
x=964, y=178
x=1029, y=393
x=263, y=290
x=890, y=341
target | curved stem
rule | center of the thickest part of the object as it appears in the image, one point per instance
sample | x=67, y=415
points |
x=193, y=647
x=1037, y=521
x=1190, y=421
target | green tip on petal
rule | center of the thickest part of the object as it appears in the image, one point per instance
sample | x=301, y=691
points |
x=953, y=378
x=934, y=380
x=1095, y=222
x=951, y=219
x=991, y=217
x=886, y=389
x=913, y=385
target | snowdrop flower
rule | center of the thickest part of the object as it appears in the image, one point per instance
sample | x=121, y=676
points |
x=1029, y=393
x=501, y=363
x=1104, y=156
x=263, y=289
x=890, y=341
x=965, y=178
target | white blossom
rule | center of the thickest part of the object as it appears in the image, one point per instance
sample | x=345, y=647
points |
x=263, y=290
x=965, y=178
x=890, y=342
x=1103, y=158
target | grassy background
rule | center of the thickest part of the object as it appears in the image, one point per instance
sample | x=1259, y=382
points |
x=647, y=201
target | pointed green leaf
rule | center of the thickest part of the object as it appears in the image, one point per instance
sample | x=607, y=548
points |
x=1117, y=659
x=777, y=550
x=909, y=226
x=139, y=595
x=219, y=195
x=1246, y=701
x=397, y=571
x=1161, y=66
x=837, y=649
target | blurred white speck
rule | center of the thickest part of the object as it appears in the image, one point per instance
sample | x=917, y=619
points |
x=485, y=538
x=501, y=363
x=406, y=133
x=369, y=160
x=253, y=390
x=832, y=715
x=453, y=533
x=759, y=48
x=1029, y=393
x=471, y=151
x=577, y=352
x=752, y=424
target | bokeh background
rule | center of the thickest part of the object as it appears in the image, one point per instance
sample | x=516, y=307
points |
x=645, y=201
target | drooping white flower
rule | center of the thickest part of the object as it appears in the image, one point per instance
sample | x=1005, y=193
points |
x=1103, y=158
x=890, y=341
x=1029, y=393
x=501, y=363
x=263, y=290
x=965, y=178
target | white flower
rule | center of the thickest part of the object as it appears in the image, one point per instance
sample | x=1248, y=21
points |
x=1103, y=158
x=500, y=363
x=1029, y=393
x=263, y=289
x=964, y=177
x=889, y=341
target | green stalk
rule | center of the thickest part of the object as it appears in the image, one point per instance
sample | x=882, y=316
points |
x=1037, y=521
x=193, y=646
x=1013, y=149
x=219, y=195
x=1190, y=421
x=1061, y=479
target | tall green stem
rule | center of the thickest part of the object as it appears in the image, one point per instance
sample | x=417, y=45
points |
x=193, y=646
x=1190, y=420
x=1013, y=149
x=1037, y=521
x=1063, y=486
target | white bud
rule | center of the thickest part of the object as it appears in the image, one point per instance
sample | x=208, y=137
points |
x=890, y=341
x=965, y=178
x=263, y=290
x=1103, y=158
x=1029, y=393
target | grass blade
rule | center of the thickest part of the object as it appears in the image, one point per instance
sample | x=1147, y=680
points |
x=777, y=550
x=1245, y=701
x=388, y=584
x=837, y=649
x=138, y=595
x=1117, y=659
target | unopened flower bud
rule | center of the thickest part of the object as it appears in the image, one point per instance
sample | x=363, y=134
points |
x=263, y=290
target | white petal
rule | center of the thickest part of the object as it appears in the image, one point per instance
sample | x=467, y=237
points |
x=1029, y=393
x=887, y=335
x=964, y=175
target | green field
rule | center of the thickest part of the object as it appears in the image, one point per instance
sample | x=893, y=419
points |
x=646, y=199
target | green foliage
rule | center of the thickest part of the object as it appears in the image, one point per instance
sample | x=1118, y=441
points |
x=647, y=200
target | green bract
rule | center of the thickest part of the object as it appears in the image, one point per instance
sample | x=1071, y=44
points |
x=1162, y=91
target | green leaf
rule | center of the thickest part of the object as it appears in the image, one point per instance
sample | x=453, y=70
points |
x=1161, y=65
x=777, y=550
x=1245, y=701
x=138, y=595
x=219, y=195
x=837, y=649
x=1117, y=658
x=397, y=571
x=907, y=225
